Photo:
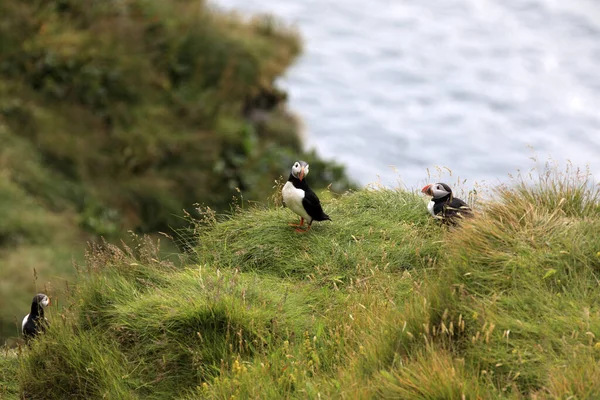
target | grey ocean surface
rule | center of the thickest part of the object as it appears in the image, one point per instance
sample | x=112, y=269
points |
x=478, y=86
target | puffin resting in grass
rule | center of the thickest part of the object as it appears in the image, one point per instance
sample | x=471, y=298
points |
x=443, y=205
x=299, y=198
x=35, y=322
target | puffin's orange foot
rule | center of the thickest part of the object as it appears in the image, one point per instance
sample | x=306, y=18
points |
x=300, y=224
x=303, y=230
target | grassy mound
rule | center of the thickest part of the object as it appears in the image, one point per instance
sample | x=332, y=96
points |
x=380, y=302
x=385, y=230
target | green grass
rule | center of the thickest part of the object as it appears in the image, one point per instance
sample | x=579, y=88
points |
x=381, y=302
x=9, y=363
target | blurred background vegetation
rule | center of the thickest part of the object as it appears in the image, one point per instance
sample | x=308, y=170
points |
x=117, y=115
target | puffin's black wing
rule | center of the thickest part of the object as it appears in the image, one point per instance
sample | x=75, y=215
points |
x=33, y=326
x=438, y=207
x=29, y=328
x=312, y=205
x=456, y=208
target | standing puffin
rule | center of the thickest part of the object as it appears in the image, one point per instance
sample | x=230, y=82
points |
x=35, y=322
x=299, y=198
x=445, y=206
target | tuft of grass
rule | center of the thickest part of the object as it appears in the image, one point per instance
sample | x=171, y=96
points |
x=578, y=378
x=90, y=365
x=432, y=373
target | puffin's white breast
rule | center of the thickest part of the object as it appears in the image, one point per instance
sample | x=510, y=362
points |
x=24, y=322
x=292, y=197
x=430, y=207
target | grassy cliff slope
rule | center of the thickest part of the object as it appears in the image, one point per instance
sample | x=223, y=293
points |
x=380, y=302
x=119, y=114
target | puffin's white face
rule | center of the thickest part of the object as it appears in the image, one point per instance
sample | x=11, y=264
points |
x=300, y=169
x=42, y=299
x=437, y=190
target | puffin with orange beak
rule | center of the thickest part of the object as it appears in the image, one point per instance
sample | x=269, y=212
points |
x=299, y=198
x=35, y=322
x=444, y=205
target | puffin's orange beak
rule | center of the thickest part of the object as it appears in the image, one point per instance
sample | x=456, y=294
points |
x=426, y=190
x=301, y=176
x=49, y=301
